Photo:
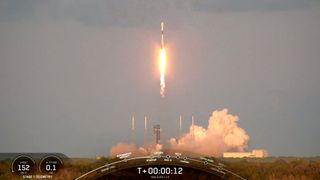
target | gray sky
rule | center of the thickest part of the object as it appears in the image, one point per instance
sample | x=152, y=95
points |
x=73, y=72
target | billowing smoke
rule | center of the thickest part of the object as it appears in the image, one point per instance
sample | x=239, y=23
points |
x=222, y=134
x=136, y=151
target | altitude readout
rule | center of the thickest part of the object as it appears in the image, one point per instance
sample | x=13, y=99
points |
x=50, y=164
x=160, y=170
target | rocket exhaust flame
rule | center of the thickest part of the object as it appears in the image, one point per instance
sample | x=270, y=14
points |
x=162, y=63
x=162, y=71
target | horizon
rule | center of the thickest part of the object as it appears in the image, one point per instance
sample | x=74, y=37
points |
x=72, y=73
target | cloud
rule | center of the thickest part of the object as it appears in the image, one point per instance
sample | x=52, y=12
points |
x=131, y=13
x=147, y=149
x=92, y=13
x=222, y=134
x=251, y=5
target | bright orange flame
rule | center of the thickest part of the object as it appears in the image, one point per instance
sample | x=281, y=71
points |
x=162, y=69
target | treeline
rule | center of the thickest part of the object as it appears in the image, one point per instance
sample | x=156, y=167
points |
x=303, y=169
x=264, y=169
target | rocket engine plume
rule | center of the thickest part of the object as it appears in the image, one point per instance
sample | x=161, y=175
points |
x=162, y=63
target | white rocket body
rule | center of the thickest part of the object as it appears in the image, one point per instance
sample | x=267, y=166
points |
x=162, y=40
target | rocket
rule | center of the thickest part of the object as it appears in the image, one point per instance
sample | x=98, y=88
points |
x=161, y=28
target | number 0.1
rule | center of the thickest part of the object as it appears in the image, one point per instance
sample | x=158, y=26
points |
x=50, y=167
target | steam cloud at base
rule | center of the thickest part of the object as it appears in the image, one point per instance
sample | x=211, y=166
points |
x=136, y=151
x=222, y=134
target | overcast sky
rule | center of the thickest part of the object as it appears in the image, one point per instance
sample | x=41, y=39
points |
x=73, y=72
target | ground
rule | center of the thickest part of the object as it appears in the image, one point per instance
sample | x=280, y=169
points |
x=249, y=168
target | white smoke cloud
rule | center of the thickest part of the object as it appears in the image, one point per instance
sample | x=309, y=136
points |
x=136, y=151
x=222, y=134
